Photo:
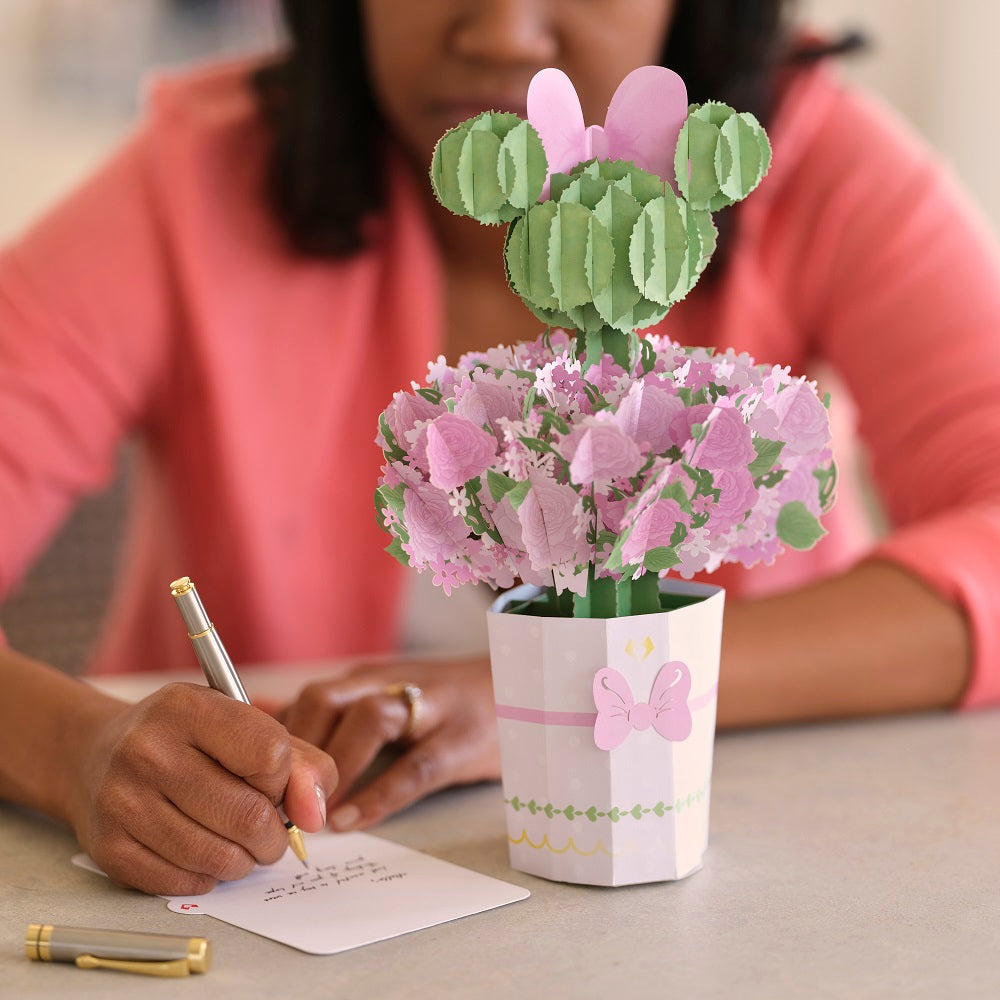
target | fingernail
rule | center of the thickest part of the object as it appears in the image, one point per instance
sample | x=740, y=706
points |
x=321, y=800
x=345, y=816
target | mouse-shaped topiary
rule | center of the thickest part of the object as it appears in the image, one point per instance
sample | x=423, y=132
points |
x=605, y=246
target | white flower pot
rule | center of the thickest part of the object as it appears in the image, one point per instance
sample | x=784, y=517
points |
x=637, y=812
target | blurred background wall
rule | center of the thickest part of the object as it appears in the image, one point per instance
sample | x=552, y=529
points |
x=70, y=78
x=71, y=74
x=936, y=62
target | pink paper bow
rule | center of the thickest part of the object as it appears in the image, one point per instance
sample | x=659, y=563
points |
x=667, y=711
x=642, y=124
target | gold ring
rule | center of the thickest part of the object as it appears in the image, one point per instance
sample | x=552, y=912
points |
x=413, y=697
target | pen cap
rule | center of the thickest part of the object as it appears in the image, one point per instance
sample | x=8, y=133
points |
x=190, y=606
x=208, y=646
x=48, y=943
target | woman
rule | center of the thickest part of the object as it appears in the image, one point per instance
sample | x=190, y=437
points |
x=251, y=342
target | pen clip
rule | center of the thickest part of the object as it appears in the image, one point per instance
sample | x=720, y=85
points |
x=175, y=968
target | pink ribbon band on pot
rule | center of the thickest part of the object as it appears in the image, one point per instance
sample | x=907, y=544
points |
x=546, y=718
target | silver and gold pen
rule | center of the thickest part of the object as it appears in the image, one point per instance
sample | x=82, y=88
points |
x=124, y=951
x=220, y=672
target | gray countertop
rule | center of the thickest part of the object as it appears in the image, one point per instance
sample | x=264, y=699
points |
x=850, y=860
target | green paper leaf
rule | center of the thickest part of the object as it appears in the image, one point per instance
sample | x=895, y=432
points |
x=529, y=403
x=647, y=313
x=594, y=348
x=768, y=453
x=658, y=249
x=444, y=170
x=522, y=166
x=714, y=112
x=674, y=491
x=552, y=419
x=641, y=184
x=747, y=166
x=694, y=162
x=618, y=212
x=707, y=231
x=499, y=484
x=624, y=348
x=694, y=261
x=723, y=168
x=580, y=255
x=647, y=356
x=518, y=493
x=491, y=167
x=797, y=527
x=660, y=558
x=585, y=189
x=526, y=255
x=477, y=173
x=827, y=486
x=431, y=395
x=395, y=453
x=558, y=184
x=395, y=549
x=391, y=497
x=770, y=479
x=613, y=563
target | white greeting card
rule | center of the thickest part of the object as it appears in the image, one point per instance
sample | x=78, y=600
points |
x=358, y=889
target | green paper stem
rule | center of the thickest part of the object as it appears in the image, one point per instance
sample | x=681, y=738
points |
x=645, y=596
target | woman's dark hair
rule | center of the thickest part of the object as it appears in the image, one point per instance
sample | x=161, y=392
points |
x=325, y=174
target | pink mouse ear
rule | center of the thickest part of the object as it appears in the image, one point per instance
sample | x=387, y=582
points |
x=644, y=119
x=554, y=111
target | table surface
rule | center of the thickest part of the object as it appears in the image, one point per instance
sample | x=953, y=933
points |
x=845, y=860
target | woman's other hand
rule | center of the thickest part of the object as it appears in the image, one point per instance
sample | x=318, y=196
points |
x=179, y=791
x=359, y=711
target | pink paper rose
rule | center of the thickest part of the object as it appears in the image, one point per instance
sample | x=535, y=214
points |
x=434, y=529
x=457, y=451
x=485, y=401
x=548, y=522
x=727, y=443
x=600, y=451
x=803, y=421
x=736, y=496
x=646, y=413
x=406, y=410
x=652, y=529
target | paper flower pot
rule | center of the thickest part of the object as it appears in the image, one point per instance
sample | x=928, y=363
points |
x=642, y=687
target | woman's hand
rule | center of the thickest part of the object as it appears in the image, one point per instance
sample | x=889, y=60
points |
x=179, y=791
x=358, y=712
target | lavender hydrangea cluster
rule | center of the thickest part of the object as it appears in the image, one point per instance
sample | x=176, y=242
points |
x=524, y=463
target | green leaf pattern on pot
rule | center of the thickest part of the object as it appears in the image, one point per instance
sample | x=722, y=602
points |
x=615, y=814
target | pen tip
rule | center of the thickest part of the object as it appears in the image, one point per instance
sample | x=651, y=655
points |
x=297, y=843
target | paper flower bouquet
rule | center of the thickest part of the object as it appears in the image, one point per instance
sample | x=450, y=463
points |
x=520, y=463
x=593, y=462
